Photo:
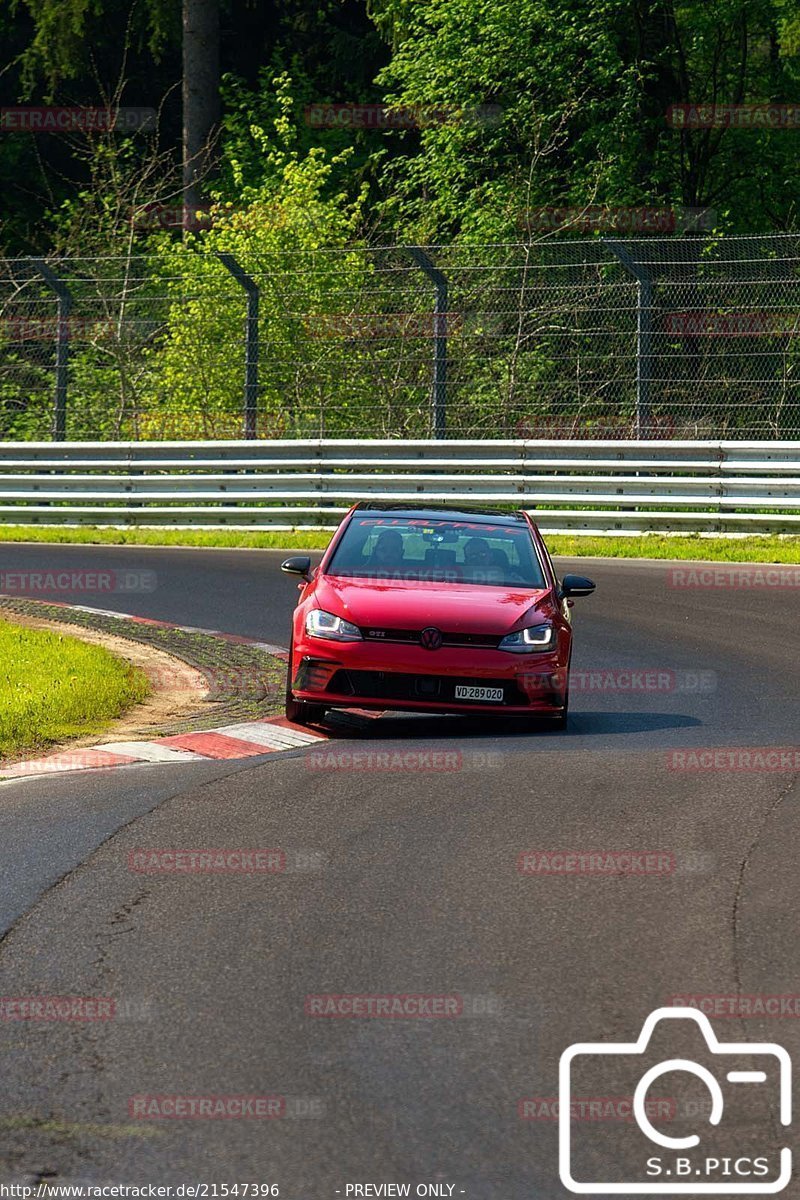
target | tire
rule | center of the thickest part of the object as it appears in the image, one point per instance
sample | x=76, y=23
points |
x=300, y=712
x=561, y=721
x=557, y=723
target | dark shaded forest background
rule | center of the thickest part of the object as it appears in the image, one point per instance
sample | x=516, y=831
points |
x=545, y=103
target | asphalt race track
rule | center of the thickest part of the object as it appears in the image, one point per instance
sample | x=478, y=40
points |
x=402, y=882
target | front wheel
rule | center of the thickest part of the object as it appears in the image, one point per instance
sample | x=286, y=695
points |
x=561, y=720
x=300, y=712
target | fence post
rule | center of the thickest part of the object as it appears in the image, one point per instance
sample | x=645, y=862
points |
x=251, y=342
x=439, y=416
x=644, y=334
x=62, y=346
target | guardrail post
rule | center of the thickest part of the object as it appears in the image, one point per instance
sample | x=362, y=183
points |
x=251, y=342
x=439, y=413
x=644, y=334
x=62, y=346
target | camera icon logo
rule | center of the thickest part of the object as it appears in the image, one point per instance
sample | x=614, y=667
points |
x=685, y=1164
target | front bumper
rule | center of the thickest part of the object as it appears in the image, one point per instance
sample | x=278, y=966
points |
x=355, y=675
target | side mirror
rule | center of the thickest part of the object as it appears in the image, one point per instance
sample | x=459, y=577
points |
x=300, y=565
x=576, y=585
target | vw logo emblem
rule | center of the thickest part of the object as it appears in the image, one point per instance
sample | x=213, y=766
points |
x=430, y=638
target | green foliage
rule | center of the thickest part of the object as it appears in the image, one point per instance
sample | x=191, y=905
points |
x=273, y=231
x=584, y=87
x=66, y=31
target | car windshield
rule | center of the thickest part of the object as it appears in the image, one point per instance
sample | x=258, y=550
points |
x=449, y=551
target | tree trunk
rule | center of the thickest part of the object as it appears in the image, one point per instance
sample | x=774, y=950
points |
x=201, y=104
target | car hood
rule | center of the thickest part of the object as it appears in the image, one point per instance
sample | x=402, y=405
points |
x=451, y=607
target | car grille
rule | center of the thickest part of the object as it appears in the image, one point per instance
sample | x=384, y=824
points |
x=487, y=641
x=391, y=685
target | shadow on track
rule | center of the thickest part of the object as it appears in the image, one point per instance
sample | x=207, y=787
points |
x=341, y=724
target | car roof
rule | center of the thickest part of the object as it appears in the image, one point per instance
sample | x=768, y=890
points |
x=489, y=516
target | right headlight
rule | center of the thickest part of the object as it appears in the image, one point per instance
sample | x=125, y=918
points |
x=323, y=624
x=526, y=641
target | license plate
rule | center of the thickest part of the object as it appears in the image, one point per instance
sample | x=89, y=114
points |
x=493, y=695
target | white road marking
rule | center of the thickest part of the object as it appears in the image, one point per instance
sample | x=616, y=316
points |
x=276, y=736
x=151, y=752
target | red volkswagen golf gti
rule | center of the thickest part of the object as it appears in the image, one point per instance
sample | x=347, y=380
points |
x=433, y=610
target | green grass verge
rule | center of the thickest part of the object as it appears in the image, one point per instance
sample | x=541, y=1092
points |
x=752, y=549
x=653, y=545
x=221, y=538
x=53, y=688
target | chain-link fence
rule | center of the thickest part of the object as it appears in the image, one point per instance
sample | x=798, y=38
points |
x=679, y=337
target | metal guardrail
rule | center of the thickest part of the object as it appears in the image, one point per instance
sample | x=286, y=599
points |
x=574, y=486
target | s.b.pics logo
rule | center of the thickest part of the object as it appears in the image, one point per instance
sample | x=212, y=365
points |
x=730, y=1102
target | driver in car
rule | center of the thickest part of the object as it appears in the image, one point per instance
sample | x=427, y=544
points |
x=478, y=553
x=387, y=554
x=480, y=561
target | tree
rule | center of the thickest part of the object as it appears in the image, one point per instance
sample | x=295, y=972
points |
x=201, y=95
x=599, y=76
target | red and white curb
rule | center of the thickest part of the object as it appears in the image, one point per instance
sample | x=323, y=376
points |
x=246, y=739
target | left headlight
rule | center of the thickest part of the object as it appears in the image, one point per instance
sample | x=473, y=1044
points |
x=323, y=624
x=525, y=641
